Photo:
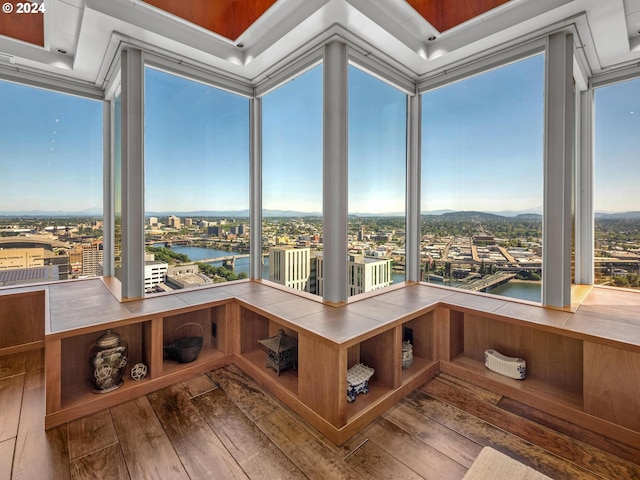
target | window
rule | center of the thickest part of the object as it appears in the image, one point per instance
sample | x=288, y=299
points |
x=196, y=182
x=617, y=175
x=51, y=196
x=117, y=185
x=482, y=181
x=377, y=182
x=292, y=182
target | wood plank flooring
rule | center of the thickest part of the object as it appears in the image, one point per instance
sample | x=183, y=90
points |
x=223, y=425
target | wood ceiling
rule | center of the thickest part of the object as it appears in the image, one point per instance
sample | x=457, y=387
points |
x=446, y=14
x=230, y=18
x=28, y=27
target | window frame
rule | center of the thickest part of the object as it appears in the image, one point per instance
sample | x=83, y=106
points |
x=383, y=70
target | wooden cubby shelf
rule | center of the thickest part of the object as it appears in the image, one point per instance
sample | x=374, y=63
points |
x=554, y=362
x=567, y=368
x=254, y=327
x=420, y=332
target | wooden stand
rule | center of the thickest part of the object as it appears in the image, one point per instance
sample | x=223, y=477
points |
x=592, y=380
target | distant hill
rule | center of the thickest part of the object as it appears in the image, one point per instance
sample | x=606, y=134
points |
x=618, y=216
x=529, y=216
x=442, y=214
x=471, y=216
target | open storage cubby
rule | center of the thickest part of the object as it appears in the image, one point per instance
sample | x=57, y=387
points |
x=76, y=372
x=554, y=362
x=254, y=327
x=382, y=354
x=420, y=332
x=206, y=322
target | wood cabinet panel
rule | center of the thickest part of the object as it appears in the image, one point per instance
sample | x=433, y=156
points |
x=383, y=353
x=612, y=384
x=322, y=379
x=253, y=327
x=420, y=331
x=557, y=361
x=22, y=318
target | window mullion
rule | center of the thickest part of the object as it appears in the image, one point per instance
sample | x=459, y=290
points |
x=132, y=173
x=558, y=154
x=255, y=188
x=335, y=166
x=412, y=245
x=584, y=194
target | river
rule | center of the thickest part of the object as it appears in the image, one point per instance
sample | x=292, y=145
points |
x=531, y=291
x=519, y=289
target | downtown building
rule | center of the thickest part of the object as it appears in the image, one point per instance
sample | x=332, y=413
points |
x=291, y=267
x=364, y=274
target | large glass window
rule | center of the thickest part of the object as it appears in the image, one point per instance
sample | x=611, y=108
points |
x=617, y=176
x=51, y=195
x=377, y=183
x=292, y=183
x=196, y=183
x=482, y=181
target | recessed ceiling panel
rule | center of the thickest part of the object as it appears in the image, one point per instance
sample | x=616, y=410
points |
x=446, y=14
x=228, y=18
x=23, y=21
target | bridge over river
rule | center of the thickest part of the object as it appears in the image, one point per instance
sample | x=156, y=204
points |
x=488, y=281
x=227, y=258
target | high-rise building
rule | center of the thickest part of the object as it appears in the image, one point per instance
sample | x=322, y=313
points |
x=155, y=273
x=238, y=230
x=364, y=274
x=214, y=231
x=174, y=221
x=92, y=259
x=291, y=267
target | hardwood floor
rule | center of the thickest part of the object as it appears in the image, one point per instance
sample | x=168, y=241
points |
x=223, y=425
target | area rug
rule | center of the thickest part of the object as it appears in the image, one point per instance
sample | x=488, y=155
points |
x=493, y=465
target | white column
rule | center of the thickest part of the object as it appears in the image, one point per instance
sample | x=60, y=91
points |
x=132, y=173
x=335, y=170
x=558, y=155
x=107, y=191
x=412, y=241
x=584, y=247
x=255, y=188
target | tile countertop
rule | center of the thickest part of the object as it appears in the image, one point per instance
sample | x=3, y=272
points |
x=609, y=314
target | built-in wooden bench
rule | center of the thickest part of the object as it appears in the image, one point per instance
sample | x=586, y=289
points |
x=583, y=363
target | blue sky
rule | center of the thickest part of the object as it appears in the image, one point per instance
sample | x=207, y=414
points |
x=51, y=154
x=292, y=145
x=482, y=145
x=377, y=145
x=196, y=146
x=617, y=144
x=482, y=141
